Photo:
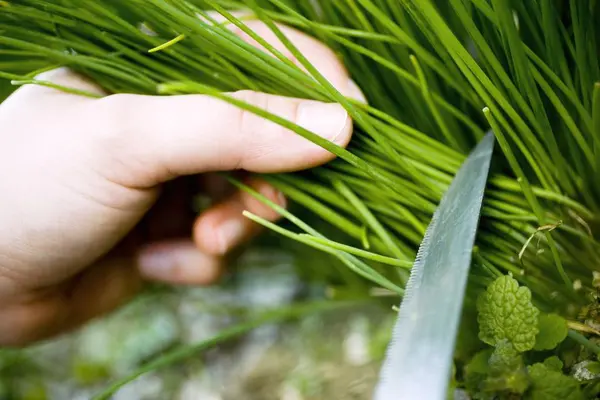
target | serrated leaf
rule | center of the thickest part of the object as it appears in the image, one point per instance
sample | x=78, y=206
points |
x=549, y=384
x=553, y=330
x=506, y=313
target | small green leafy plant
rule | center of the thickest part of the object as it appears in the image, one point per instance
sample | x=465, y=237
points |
x=523, y=361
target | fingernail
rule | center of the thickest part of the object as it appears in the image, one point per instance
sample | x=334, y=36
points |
x=326, y=120
x=281, y=200
x=155, y=263
x=273, y=194
x=229, y=234
x=180, y=263
x=169, y=262
x=354, y=92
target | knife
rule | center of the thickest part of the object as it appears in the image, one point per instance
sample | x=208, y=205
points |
x=418, y=361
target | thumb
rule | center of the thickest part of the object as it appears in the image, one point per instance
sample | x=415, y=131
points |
x=158, y=138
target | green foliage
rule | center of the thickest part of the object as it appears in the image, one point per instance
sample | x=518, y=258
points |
x=476, y=370
x=592, y=391
x=593, y=367
x=549, y=384
x=506, y=313
x=5, y=89
x=87, y=372
x=554, y=363
x=505, y=358
x=506, y=370
x=552, y=330
x=501, y=372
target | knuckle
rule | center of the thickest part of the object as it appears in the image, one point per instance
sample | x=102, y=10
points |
x=251, y=129
x=261, y=137
x=113, y=138
x=115, y=116
x=250, y=124
x=117, y=126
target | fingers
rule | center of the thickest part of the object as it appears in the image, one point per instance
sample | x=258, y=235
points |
x=178, y=262
x=98, y=290
x=158, y=138
x=142, y=141
x=24, y=323
x=223, y=227
x=101, y=289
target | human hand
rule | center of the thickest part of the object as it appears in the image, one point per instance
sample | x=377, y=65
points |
x=92, y=200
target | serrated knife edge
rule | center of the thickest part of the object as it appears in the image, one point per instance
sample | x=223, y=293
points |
x=419, y=359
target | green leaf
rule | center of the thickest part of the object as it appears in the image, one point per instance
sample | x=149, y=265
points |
x=552, y=330
x=554, y=363
x=507, y=371
x=477, y=370
x=504, y=359
x=593, y=367
x=549, y=384
x=506, y=313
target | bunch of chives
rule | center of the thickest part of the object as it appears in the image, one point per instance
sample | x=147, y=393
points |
x=437, y=75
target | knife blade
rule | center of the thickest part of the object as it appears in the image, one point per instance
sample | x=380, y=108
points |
x=419, y=356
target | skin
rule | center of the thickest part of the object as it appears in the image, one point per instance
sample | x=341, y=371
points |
x=96, y=192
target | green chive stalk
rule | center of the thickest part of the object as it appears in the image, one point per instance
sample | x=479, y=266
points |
x=437, y=76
